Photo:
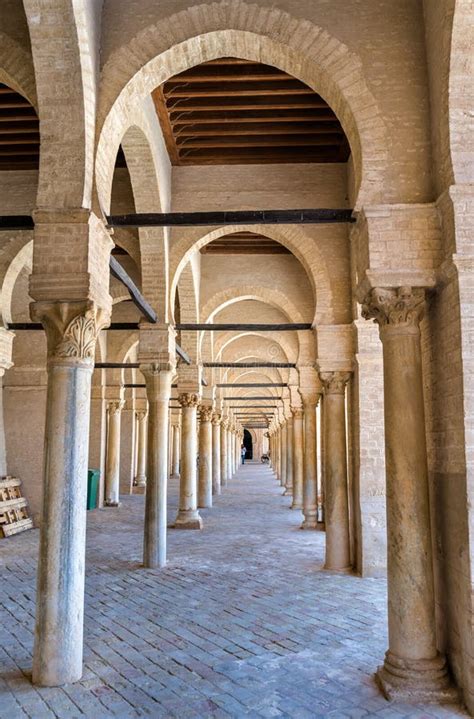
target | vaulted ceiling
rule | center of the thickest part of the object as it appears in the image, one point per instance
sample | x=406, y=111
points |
x=19, y=132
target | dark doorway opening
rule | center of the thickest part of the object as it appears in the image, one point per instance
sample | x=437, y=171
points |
x=248, y=444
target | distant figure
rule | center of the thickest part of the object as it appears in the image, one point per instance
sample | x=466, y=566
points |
x=243, y=452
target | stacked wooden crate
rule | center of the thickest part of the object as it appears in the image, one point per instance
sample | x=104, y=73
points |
x=14, y=515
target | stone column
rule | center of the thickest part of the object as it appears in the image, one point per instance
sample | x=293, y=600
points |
x=6, y=340
x=336, y=499
x=224, y=474
x=283, y=454
x=298, y=457
x=112, y=463
x=310, y=472
x=289, y=458
x=158, y=391
x=230, y=473
x=188, y=516
x=216, y=453
x=140, y=478
x=71, y=332
x=413, y=670
x=278, y=453
x=176, y=450
x=205, y=457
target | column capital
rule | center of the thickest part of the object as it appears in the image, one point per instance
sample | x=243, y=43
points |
x=71, y=329
x=225, y=422
x=188, y=399
x=205, y=413
x=158, y=380
x=335, y=382
x=297, y=412
x=6, y=346
x=115, y=406
x=141, y=414
x=216, y=418
x=400, y=307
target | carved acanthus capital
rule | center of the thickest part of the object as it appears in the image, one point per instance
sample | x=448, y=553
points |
x=225, y=422
x=403, y=306
x=205, y=414
x=335, y=382
x=216, y=419
x=71, y=329
x=188, y=399
x=297, y=412
x=115, y=406
x=141, y=414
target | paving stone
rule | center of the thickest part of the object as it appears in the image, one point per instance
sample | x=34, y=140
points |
x=241, y=623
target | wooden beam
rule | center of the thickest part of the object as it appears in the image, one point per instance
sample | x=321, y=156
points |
x=234, y=116
x=252, y=384
x=181, y=353
x=239, y=217
x=263, y=128
x=237, y=89
x=164, y=118
x=16, y=222
x=274, y=102
x=250, y=365
x=250, y=399
x=114, y=326
x=271, y=141
x=232, y=327
x=136, y=296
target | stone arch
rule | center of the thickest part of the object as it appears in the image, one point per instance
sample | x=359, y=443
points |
x=16, y=69
x=276, y=338
x=15, y=254
x=304, y=248
x=264, y=34
x=460, y=98
x=189, y=311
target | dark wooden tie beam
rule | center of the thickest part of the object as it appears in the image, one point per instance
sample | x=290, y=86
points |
x=252, y=384
x=16, y=222
x=250, y=399
x=287, y=327
x=238, y=217
x=136, y=296
x=249, y=365
x=252, y=406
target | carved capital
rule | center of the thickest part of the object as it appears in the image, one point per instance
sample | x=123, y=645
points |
x=141, y=414
x=71, y=329
x=225, y=422
x=335, y=382
x=403, y=306
x=297, y=412
x=115, y=406
x=205, y=413
x=216, y=418
x=158, y=380
x=188, y=400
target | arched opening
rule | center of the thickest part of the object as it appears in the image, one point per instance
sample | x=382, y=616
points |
x=248, y=444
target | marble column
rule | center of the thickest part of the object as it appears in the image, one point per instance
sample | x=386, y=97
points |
x=224, y=471
x=298, y=457
x=158, y=391
x=140, y=478
x=112, y=463
x=336, y=498
x=289, y=458
x=71, y=332
x=230, y=472
x=205, y=457
x=283, y=454
x=216, y=453
x=278, y=453
x=176, y=450
x=188, y=516
x=310, y=472
x=414, y=670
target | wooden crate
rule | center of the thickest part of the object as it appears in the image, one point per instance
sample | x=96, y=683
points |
x=14, y=514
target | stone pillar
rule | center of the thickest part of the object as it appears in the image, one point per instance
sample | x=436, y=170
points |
x=298, y=457
x=112, y=462
x=188, y=516
x=140, y=478
x=310, y=472
x=224, y=474
x=176, y=450
x=283, y=454
x=71, y=332
x=205, y=457
x=158, y=391
x=336, y=499
x=216, y=453
x=413, y=670
x=230, y=472
x=289, y=458
x=6, y=340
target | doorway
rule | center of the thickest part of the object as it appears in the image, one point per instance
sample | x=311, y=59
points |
x=248, y=444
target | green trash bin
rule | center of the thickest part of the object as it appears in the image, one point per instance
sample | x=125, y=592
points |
x=93, y=476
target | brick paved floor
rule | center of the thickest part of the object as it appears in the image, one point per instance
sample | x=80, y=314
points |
x=242, y=623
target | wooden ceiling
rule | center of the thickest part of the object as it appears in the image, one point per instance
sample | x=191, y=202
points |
x=233, y=111
x=244, y=243
x=19, y=132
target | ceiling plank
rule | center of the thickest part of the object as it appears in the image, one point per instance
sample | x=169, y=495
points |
x=164, y=118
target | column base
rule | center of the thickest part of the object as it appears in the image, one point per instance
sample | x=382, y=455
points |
x=110, y=503
x=422, y=681
x=140, y=481
x=288, y=493
x=296, y=505
x=309, y=523
x=188, y=520
x=174, y=476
